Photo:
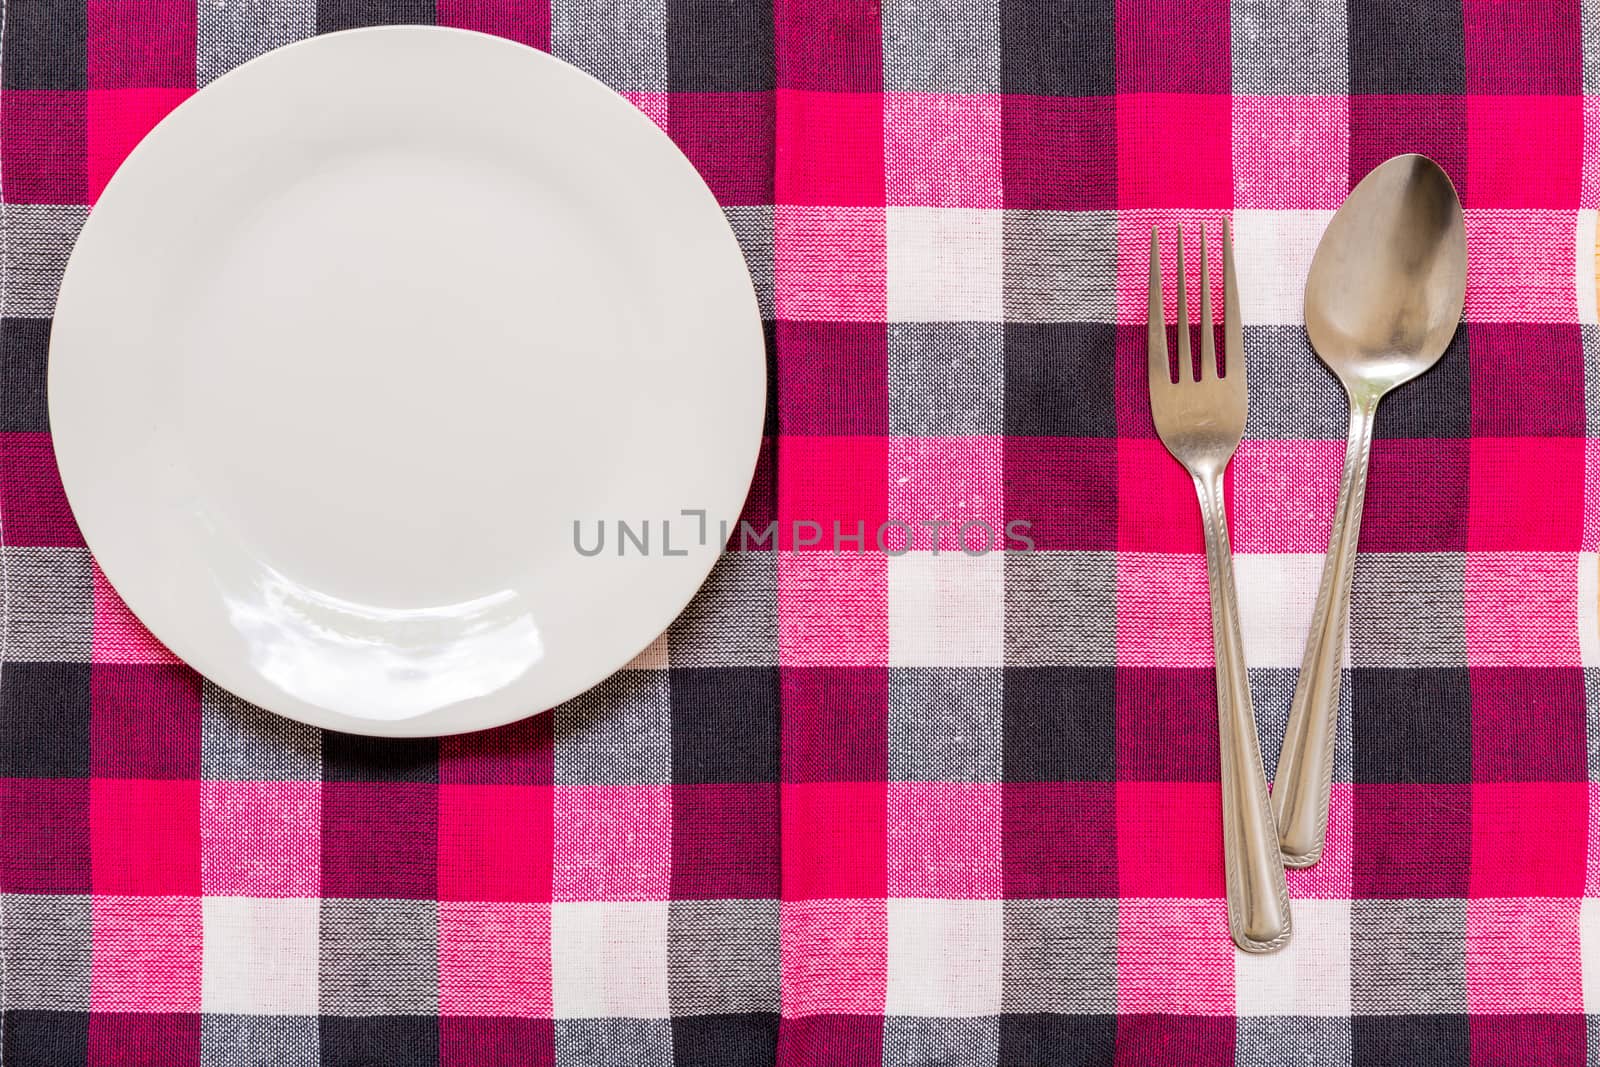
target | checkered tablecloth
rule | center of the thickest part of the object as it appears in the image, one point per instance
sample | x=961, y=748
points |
x=926, y=809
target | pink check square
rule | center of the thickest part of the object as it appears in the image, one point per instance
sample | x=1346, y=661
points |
x=834, y=956
x=1292, y=153
x=147, y=953
x=494, y=959
x=1174, y=956
x=119, y=637
x=261, y=839
x=1522, y=609
x=833, y=610
x=944, y=840
x=612, y=842
x=956, y=480
x=1524, y=955
x=830, y=263
x=943, y=150
x=1163, y=610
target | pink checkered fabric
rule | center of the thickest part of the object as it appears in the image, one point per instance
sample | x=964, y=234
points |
x=874, y=808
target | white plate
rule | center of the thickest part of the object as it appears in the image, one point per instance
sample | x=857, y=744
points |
x=356, y=335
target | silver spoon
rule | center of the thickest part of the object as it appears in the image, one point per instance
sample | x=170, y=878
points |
x=1383, y=299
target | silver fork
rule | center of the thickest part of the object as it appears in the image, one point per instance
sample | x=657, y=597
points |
x=1201, y=422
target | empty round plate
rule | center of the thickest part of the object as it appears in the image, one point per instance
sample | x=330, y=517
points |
x=365, y=348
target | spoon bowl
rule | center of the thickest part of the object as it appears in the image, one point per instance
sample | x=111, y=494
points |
x=1389, y=279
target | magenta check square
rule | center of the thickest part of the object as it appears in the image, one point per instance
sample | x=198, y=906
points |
x=829, y=148
x=43, y=145
x=1059, y=839
x=1529, y=1039
x=834, y=840
x=118, y=119
x=828, y=45
x=1169, y=46
x=145, y=721
x=725, y=841
x=1167, y=725
x=1522, y=47
x=144, y=1039
x=527, y=24
x=1501, y=173
x=1169, y=839
x=144, y=836
x=496, y=1041
x=1175, y=150
x=139, y=44
x=1157, y=509
x=1529, y=839
x=495, y=842
x=1527, y=494
x=834, y=724
x=833, y=378
x=380, y=840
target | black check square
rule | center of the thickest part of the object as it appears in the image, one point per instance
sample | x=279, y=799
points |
x=45, y=733
x=1044, y=1040
x=380, y=1041
x=24, y=350
x=352, y=758
x=1398, y=48
x=46, y=1038
x=46, y=45
x=1059, y=381
x=1058, y=47
x=1412, y=725
x=716, y=46
x=1435, y=1040
x=724, y=724
x=1060, y=724
x=745, y=1039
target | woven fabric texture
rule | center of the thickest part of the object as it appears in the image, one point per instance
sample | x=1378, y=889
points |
x=933, y=808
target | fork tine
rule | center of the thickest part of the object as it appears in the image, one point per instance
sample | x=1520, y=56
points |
x=1208, y=343
x=1160, y=369
x=1185, y=363
x=1232, y=331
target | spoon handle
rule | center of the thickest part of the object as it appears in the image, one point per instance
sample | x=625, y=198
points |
x=1305, y=763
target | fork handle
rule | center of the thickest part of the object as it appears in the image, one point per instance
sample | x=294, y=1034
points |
x=1258, y=897
x=1305, y=763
